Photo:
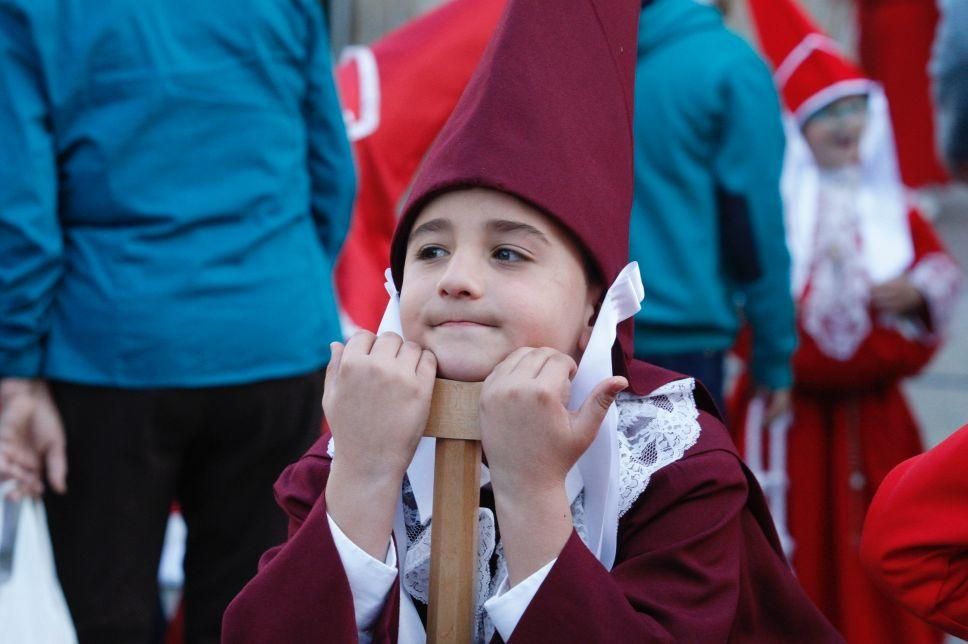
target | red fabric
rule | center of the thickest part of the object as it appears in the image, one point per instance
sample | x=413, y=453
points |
x=915, y=540
x=422, y=69
x=851, y=425
x=547, y=117
x=697, y=562
x=895, y=46
x=783, y=27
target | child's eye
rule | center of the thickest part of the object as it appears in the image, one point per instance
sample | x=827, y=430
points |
x=431, y=252
x=505, y=254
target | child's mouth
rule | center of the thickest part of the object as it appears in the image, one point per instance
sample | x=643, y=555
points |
x=461, y=323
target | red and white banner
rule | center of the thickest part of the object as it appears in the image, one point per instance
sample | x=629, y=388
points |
x=397, y=95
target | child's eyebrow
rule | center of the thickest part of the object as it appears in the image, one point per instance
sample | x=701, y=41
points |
x=432, y=226
x=505, y=226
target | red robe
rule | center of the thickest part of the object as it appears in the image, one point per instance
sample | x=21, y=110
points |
x=851, y=425
x=895, y=46
x=915, y=540
x=697, y=561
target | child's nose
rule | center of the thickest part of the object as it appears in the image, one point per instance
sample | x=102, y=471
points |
x=461, y=278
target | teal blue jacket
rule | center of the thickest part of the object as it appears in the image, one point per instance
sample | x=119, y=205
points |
x=707, y=122
x=175, y=183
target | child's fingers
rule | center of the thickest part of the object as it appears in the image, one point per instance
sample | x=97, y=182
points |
x=507, y=365
x=559, y=365
x=557, y=373
x=531, y=364
x=360, y=343
x=335, y=355
x=386, y=346
x=409, y=356
x=593, y=410
x=427, y=365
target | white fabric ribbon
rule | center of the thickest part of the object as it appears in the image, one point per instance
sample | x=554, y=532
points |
x=597, y=471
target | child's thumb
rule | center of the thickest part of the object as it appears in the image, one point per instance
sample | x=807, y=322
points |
x=593, y=410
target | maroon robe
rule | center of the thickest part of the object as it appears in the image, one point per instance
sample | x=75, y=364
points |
x=697, y=560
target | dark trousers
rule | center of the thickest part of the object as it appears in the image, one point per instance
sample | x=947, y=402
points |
x=708, y=367
x=217, y=451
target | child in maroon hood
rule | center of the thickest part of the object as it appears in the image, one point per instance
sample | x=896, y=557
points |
x=605, y=516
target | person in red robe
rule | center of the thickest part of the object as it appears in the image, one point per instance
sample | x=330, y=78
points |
x=874, y=288
x=605, y=516
x=915, y=539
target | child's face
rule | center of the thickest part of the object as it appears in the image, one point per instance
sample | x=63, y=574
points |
x=834, y=132
x=486, y=274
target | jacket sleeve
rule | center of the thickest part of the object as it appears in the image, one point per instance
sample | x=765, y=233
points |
x=676, y=577
x=331, y=172
x=748, y=163
x=301, y=592
x=30, y=236
x=915, y=538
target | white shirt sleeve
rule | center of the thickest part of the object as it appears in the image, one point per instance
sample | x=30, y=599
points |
x=506, y=607
x=370, y=579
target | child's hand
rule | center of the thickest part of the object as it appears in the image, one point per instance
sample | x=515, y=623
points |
x=531, y=441
x=376, y=401
x=898, y=295
x=530, y=437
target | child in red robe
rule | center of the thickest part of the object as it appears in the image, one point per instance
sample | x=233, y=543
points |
x=605, y=516
x=873, y=287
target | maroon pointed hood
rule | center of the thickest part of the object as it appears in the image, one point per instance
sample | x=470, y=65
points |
x=547, y=117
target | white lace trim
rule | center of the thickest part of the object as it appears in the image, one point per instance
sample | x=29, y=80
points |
x=653, y=431
x=938, y=278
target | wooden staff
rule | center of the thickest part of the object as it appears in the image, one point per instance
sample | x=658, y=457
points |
x=454, y=422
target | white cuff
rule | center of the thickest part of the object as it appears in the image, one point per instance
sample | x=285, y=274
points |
x=370, y=579
x=506, y=607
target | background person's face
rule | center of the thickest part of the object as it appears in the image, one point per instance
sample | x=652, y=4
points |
x=834, y=133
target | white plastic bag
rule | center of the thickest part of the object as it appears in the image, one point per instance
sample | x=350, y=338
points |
x=32, y=606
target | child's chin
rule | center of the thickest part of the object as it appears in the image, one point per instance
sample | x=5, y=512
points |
x=462, y=370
